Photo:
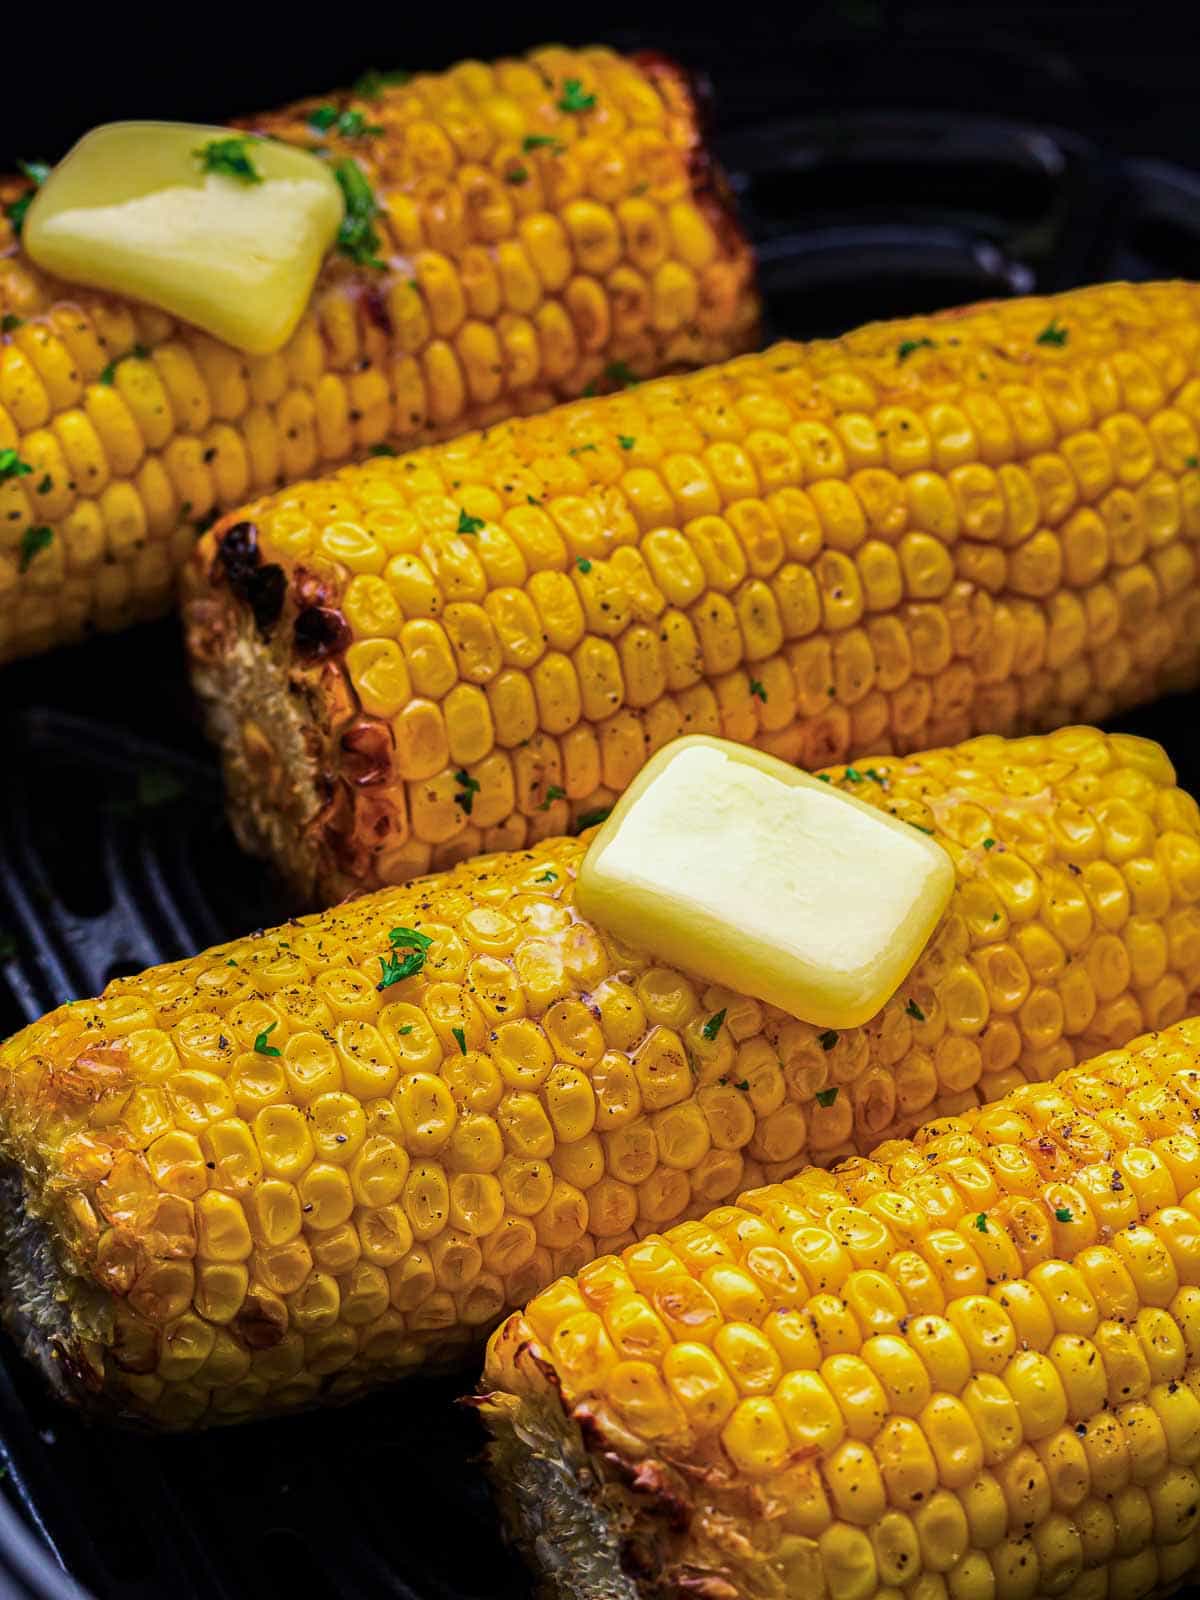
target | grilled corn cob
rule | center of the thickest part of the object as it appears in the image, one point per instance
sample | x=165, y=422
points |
x=968, y=1367
x=984, y=522
x=310, y=1159
x=537, y=238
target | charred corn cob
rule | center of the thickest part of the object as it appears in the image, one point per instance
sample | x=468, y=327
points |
x=310, y=1159
x=984, y=522
x=968, y=1367
x=544, y=224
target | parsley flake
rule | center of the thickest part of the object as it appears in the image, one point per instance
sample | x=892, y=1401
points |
x=33, y=542
x=712, y=1027
x=405, y=1030
x=553, y=792
x=461, y=1038
x=396, y=967
x=828, y=1039
x=11, y=465
x=547, y=877
x=37, y=172
x=620, y=372
x=382, y=450
x=744, y=1084
x=823, y=777
x=322, y=118
x=368, y=87
x=1064, y=1214
x=826, y=1097
x=231, y=962
x=230, y=158
x=989, y=844
x=592, y=819
x=470, y=788
x=907, y=347
x=853, y=775
x=912, y=1009
x=758, y=690
x=517, y=175
x=575, y=98
x=583, y=564
x=468, y=524
x=921, y=828
x=353, y=125
x=261, y=1046
x=357, y=237
x=981, y=1222
x=626, y=441
x=1053, y=333
x=409, y=939
x=46, y=485
x=542, y=141
x=1192, y=461
x=9, y=322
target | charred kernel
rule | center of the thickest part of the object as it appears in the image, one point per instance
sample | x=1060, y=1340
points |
x=320, y=632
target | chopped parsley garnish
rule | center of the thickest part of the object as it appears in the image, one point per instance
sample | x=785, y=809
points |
x=461, y=1038
x=468, y=524
x=406, y=1029
x=828, y=1039
x=470, y=788
x=921, y=828
x=517, y=175
x=877, y=777
x=1064, y=1214
x=382, y=450
x=37, y=172
x=542, y=141
x=1192, y=461
x=583, y=564
x=758, y=690
x=1053, y=333
x=138, y=353
x=357, y=237
x=350, y=124
x=826, y=1097
x=578, y=449
x=620, y=372
x=394, y=968
x=912, y=1009
x=409, y=939
x=626, y=441
x=260, y=1044
x=372, y=81
x=574, y=97
x=712, y=1027
x=981, y=1222
x=853, y=775
x=33, y=542
x=46, y=485
x=9, y=322
x=532, y=500
x=743, y=1084
x=231, y=962
x=11, y=465
x=989, y=844
x=553, y=792
x=230, y=158
x=547, y=877
x=592, y=819
x=906, y=347
x=824, y=777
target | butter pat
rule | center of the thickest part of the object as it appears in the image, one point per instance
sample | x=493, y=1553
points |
x=221, y=229
x=754, y=875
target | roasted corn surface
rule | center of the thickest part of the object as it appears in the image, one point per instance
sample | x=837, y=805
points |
x=517, y=232
x=314, y=1158
x=968, y=1367
x=982, y=522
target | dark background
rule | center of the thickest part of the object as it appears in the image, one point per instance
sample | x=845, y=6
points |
x=1128, y=72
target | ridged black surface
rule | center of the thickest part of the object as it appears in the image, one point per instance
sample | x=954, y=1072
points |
x=114, y=855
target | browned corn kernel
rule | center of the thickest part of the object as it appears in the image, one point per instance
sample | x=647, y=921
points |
x=290, y=1170
x=536, y=242
x=969, y=1366
x=983, y=522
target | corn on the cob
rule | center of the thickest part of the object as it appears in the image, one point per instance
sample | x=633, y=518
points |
x=537, y=239
x=234, y=1230
x=977, y=523
x=967, y=1367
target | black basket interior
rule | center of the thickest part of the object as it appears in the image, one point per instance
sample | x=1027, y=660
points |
x=114, y=855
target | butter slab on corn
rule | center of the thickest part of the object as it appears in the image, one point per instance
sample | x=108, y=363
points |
x=757, y=876
x=225, y=231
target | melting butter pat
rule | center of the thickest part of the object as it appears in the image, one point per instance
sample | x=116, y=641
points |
x=224, y=230
x=754, y=875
